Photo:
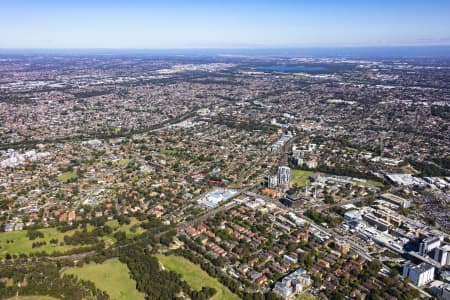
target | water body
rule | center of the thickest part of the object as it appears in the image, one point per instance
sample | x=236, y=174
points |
x=293, y=68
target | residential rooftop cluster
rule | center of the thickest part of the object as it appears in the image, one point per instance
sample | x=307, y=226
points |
x=332, y=183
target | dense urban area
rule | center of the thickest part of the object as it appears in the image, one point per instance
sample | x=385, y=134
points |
x=129, y=176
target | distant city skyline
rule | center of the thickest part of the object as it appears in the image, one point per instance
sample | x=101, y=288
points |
x=222, y=24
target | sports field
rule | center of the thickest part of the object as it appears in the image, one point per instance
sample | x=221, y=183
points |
x=112, y=276
x=300, y=177
x=195, y=276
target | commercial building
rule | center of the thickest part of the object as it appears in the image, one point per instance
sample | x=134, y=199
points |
x=353, y=215
x=380, y=224
x=405, y=180
x=215, y=197
x=442, y=255
x=291, y=201
x=396, y=200
x=429, y=244
x=419, y=275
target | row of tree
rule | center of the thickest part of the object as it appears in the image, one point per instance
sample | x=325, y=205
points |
x=157, y=283
x=43, y=278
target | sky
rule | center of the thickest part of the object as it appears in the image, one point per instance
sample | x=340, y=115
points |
x=222, y=24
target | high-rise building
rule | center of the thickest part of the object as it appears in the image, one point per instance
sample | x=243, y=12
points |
x=284, y=177
x=420, y=274
x=429, y=244
x=442, y=255
x=272, y=182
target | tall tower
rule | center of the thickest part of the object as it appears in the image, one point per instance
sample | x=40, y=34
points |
x=284, y=177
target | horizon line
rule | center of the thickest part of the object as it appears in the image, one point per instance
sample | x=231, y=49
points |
x=233, y=47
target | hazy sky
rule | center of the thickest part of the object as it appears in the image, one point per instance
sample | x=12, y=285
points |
x=227, y=23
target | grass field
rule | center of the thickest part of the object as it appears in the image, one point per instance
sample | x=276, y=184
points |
x=195, y=276
x=126, y=228
x=114, y=224
x=168, y=152
x=68, y=176
x=300, y=177
x=112, y=277
x=22, y=244
x=32, y=298
x=120, y=162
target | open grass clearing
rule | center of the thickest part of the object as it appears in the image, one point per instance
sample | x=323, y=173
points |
x=112, y=276
x=20, y=243
x=127, y=228
x=120, y=162
x=68, y=176
x=17, y=242
x=195, y=276
x=300, y=177
x=167, y=151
